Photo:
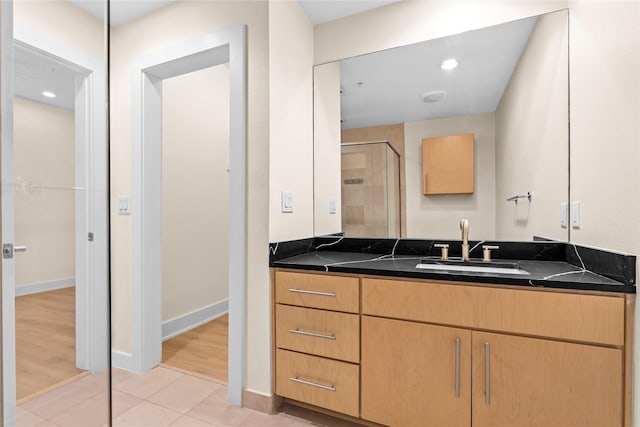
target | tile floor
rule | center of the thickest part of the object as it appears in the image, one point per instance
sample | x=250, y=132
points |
x=163, y=397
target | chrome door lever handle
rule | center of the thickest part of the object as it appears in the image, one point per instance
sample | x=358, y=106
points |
x=8, y=249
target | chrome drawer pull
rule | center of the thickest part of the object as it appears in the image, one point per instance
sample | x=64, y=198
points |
x=457, y=375
x=487, y=373
x=324, y=387
x=303, y=291
x=311, y=334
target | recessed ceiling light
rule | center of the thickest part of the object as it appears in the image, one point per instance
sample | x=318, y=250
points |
x=449, y=64
x=48, y=94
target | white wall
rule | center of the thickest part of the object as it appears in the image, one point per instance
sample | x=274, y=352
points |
x=168, y=26
x=605, y=133
x=44, y=165
x=290, y=120
x=532, y=136
x=326, y=135
x=438, y=217
x=195, y=191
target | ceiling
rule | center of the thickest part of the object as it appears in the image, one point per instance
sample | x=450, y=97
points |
x=387, y=87
x=121, y=11
x=321, y=11
x=35, y=73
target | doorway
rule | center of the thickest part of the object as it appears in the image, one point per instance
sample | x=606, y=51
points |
x=195, y=222
x=221, y=47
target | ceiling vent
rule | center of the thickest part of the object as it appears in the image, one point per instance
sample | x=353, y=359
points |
x=434, y=96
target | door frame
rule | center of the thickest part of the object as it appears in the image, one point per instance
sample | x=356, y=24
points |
x=220, y=47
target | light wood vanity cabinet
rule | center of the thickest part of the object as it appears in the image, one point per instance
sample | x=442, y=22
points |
x=424, y=353
x=317, y=336
x=566, y=370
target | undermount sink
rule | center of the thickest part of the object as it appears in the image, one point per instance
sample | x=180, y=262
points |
x=471, y=266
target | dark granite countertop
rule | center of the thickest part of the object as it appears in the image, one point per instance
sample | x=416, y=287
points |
x=543, y=273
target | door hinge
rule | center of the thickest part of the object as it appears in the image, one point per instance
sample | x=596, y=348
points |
x=91, y=237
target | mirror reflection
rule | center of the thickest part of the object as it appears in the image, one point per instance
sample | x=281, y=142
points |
x=505, y=85
x=55, y=277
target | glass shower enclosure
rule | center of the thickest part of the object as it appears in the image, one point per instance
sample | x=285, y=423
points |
x=370, y=183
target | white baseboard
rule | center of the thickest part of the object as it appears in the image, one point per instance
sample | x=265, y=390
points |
x=35, y=288
x=121, y=360
x=186, y=322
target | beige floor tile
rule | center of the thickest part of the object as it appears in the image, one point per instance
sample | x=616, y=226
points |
x=145, y=385
x=120, y=375
x=257, y=419
x=215, y=411
x=88, y=413
x=146, y=414
x=187, y=421
x=121, y=402
x=25, y=418
x=48, y=424
x=221, y=393
x=62, y=399
x=184, y=393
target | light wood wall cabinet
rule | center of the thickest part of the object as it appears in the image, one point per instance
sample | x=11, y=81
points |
x=428, y=353
x=448, y=165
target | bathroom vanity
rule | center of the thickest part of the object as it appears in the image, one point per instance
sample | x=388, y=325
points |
x=366, y=334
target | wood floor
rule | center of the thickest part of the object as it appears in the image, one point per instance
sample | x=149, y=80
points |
x=45, y=340
x=203, y=350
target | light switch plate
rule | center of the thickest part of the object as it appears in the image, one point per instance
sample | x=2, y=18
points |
x=575, y=214
x=287, y=202
x=332, y=206
x=124, y=205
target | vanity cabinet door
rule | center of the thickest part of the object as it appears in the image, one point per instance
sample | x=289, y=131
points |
x=521, y=381
x=414, y=374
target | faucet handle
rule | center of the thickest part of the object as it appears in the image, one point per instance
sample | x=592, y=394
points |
x=486, y=251
x=444, y=250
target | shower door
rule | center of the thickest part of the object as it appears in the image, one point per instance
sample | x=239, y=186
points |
x=54, y=213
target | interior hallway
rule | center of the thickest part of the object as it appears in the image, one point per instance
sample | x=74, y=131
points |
x=45, y=341
x=203, y=350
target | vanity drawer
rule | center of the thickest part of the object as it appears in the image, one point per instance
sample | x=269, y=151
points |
x=587, y=318
x=322, y=382
x=319, y=332
x=325, y=291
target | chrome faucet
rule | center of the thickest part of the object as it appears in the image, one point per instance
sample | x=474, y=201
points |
x=464, y=226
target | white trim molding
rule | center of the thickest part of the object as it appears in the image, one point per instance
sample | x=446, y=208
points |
x=121, y=360
x=192, y=320
x=51, y=285
x=226, y=46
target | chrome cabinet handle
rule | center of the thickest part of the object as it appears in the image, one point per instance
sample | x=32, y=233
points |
x=487, y=373
x=19, y=249
x=457, y=368
x=312, y=334
x=322, y=386
x=303, y=291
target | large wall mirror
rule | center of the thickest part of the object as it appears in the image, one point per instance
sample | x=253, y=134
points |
x=509, y=90
x=55, y=292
